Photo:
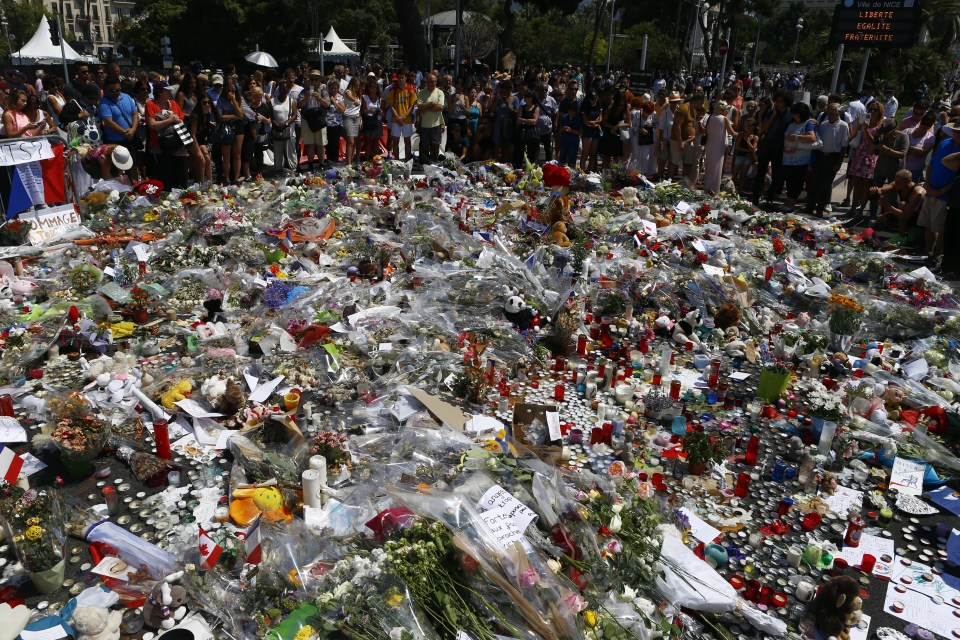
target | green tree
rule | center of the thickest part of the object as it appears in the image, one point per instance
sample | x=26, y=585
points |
x=23, y=17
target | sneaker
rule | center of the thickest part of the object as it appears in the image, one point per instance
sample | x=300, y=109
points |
x=845, y=202
x=855, y=221
x=828, y=209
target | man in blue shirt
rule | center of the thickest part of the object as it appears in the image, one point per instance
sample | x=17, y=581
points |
x=933, y=213
x=119, y=116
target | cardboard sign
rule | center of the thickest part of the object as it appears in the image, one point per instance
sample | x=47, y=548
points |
x=50, y=224
x=23, y=150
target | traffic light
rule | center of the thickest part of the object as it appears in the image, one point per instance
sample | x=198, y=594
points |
x=55, y=32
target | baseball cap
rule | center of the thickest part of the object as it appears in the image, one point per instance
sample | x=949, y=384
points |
x=216, y=79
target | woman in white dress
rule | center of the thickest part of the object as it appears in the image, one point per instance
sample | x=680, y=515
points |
x=718, y=128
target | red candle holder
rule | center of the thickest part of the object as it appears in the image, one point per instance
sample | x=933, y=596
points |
x=736, y=581
x=751, y=590
x=867, y=563
x=559, y=392
x=811, y=521
x=779, y=600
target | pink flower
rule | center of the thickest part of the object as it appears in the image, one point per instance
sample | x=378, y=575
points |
x=529, y=578
x=614, y=546
x=573, y=604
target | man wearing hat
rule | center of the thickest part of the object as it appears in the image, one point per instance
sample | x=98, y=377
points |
x=891, y=105
x=940, y=177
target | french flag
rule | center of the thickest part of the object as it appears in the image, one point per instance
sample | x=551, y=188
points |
x=10, y=464
x=252, y=544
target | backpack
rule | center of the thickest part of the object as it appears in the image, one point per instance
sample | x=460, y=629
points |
x=88, y=128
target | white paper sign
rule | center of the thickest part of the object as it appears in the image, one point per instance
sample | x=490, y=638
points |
x=31, y=464
x=919, y=605
x=844, y=499
x=506, y=517
x=869, y=544
x=195, y=410
x=553, y=425
x=263, y=391
x=11, y=431
x=22, y=150
x=50, y=224
x=907, y=476
x=649, y=228
x=112, y=567
x=52, y=633
x=699, y=528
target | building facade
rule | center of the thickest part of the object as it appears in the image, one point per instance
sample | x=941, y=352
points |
x=90, y=25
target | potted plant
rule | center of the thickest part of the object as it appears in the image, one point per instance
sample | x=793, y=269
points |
x=700, y=448
x=36, y=521
x=773, y=380
x=139, y=305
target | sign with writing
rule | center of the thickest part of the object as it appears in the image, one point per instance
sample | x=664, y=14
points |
x=22, y=150
x=641, y=81
x=506, y=517
x=50, y=224
x=876, y=23
x=907, y=476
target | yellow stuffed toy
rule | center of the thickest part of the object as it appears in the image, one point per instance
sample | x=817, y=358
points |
x=558, y=235
x=176, y=393
x=559, y=210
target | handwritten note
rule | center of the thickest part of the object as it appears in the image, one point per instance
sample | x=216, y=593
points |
x=920, y=607
x=700, y=529
x=506, y=517
x=869, y=544
x=844, y=499
x=11, y=431
x=907, y=476
x=112, y=567
x=50, y=224
x=22, y=150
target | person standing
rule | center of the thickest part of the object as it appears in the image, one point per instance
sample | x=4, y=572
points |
x=334, y=117
x=799, y=135
x=371, y=128
x=548, y=120
x=284, y=116
x=718, y=128
x=863, y=160
x=922, y=141
x=933, y=213
x=163, y=112
x=770, y=150
x=352, y=101
x=430, y=103
x=667, y=165
x=74, y=89
x=891, y=105
x=683, y=135
x=891, y=147
x=402, y=101
x=616, y=119
x=835, y=136
x=119, y=117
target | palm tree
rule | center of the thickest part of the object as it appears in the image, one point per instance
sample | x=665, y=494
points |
x=941, y=20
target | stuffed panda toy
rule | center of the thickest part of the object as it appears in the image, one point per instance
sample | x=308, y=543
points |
x=685, y=330
x=518, y=313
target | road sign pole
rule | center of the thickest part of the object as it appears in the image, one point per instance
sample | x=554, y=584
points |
x=836, y=69
x=726, y=54
x=863, y=70
x=643, y=56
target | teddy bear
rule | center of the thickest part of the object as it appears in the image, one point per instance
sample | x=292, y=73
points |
x=96, y=623
x=558, y=234
x=518, y=313
x=686, y=330
x=165, y=605
x=629, y=196
x=559, y=210
x=726, y=316
x=836, y=609
x=176, y=393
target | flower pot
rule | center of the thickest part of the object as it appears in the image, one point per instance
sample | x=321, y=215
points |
x=140, y=316
x=772, y=384
x=696, y=468
x=817, y=426
x=50, y=580
x=840, y=342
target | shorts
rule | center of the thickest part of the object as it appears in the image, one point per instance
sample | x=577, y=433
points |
x=676, y=156
x=933, y=215
x=430, y=136
x=310, y=137
x=401, y=130
x=742, y=161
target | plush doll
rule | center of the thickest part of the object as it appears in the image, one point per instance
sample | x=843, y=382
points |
x=176, y=393
x=686, y=330
x=165, y=606
x=96, y=623
x=555, y=175
x=629, y=196
x=214, y=387
x=518, y=313
x=559, y=210
x=14, y=620
x=558, y=234
x=727, y=315
x=232, y=399
x=837, y=608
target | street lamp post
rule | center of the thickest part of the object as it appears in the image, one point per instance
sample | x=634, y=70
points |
x=796, y=47
x=613, y=7
x=6, y=34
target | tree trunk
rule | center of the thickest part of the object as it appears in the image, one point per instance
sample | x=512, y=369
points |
x=411, y=34
x=509, y=23
x=599, y=6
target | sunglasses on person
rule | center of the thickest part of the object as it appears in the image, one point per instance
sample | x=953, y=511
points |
x=874, y=110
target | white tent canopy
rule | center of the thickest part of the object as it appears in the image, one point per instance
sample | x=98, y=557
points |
x=39, y=50
x=447, y=19
x=335, y=49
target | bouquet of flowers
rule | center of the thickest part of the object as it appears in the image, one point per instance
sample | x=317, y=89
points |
x=36, y=520
x=78, y=433
x=14, y=233
x=824, y=404
x=332, y=446
x=846, y=314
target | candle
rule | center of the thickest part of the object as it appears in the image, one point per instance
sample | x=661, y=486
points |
x=312, y=489
x=161, y=435
x=794, y=556
x=805, y=590
x=112, y=499
x=319, y=464
x=867, y=563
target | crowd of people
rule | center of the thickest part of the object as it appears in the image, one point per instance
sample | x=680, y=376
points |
x=746, y=134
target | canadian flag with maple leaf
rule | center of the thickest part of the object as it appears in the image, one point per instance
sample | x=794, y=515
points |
x=209, y=551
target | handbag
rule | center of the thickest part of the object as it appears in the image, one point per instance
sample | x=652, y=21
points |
x=281, y=133
x=174, y=138
x=529, y=133
x=624, y=134
x=316, y=118
x=816, y=145
x=223, y=133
